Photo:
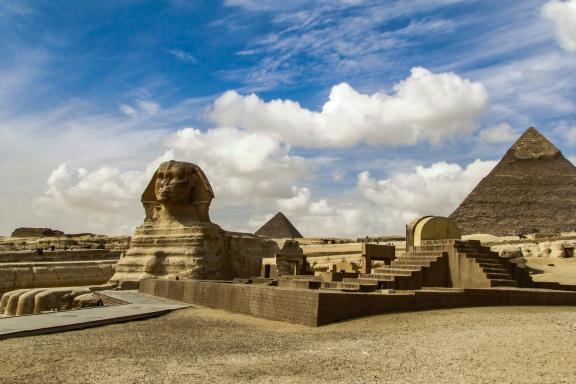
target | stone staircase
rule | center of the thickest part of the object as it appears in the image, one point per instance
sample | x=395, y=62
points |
x=409, y=271
x=425, y=266
x=495, y=268
x=317, y=282
x=428, y=266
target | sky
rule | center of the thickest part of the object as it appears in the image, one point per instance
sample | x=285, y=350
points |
x=352, y=117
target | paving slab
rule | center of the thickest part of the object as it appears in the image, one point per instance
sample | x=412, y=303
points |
x=140, y=306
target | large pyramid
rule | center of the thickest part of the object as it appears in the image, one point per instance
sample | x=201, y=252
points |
x=533, y=188
x=278, y=227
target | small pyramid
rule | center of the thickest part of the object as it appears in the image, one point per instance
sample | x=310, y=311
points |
x=278, y=227
x=532, y=189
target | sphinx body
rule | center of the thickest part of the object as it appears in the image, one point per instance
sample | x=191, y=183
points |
x=177, y=238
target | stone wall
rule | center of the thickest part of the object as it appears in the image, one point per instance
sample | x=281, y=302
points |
x=59, y=255
x=293, y=306
x=320, y=307
x=54, y=274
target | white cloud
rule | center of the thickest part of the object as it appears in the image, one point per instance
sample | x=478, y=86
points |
x=140, y=108
x=264, y=5
x=148, y=107
x=320, y=207
x=128, y=110
x=423, y=107
x=386, y=206
x=437, y=189
x=498, y=133
x=299, y=200
x=563, y=15
x=246, y=170
x=183, y=55
x=243, y=166
x=571, y=136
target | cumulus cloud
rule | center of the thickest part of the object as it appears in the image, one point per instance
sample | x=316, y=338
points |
x=244, y=166
x=106, y=199
x=297, y=201
x=245, y=169
x=498, y=133
x=563, y=15
x=386, y=206
x=424, y=107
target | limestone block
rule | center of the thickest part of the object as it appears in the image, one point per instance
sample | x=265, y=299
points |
x=54, y=274
x=87, y=300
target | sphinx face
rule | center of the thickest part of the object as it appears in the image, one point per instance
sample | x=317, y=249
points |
x=174, y=183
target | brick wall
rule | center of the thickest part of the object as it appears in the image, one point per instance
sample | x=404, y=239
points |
x=320, y=307
x=273, y=303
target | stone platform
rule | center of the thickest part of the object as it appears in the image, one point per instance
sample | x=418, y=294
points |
x=139, y=306
x=315, y=307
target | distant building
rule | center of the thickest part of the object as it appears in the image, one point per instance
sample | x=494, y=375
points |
x=279, y=227
x=532, y=189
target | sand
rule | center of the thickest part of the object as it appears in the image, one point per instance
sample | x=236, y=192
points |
x=197, y=345
x=553, y=269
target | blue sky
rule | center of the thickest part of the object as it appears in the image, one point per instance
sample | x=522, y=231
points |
x=351, y=116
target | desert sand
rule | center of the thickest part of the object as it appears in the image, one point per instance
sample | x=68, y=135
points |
x=198, y=345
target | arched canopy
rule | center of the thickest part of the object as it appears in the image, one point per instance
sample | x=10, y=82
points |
x=432, y=228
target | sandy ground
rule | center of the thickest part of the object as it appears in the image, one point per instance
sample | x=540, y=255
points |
x=553, y=269
x=197, y=345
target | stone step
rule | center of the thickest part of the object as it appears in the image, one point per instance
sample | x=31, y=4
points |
x=350, y=286
x=495, y=270
x=397, y=268
x=432, y=248
x=473, y=248
x=499, y=276
x=503, y=283
x=409, y=264
x=478, y=255
x=424, y=253
x=374, y=281
x=385, y=276
x=301, y=277
x=492, y=261
x=490, y=265
x=415, y=259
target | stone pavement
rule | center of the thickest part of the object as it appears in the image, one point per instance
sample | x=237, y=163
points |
x=140, y=306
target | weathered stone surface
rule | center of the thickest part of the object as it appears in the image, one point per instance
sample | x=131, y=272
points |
x=54, y=274
x=87, y=300
x=28, y=301
x=35, y=232
x=533, y=188
x=177, y=239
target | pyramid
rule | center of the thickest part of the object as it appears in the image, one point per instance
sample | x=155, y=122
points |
x=532, y=189
x=278, y=227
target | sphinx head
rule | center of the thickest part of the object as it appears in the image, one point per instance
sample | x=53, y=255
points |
x=179, y=187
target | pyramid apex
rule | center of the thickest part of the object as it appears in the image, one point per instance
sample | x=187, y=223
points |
x=278, y=227
x=533, y=145
x=532, y=188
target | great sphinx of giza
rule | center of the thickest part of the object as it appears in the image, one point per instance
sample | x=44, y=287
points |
x=177, y=239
